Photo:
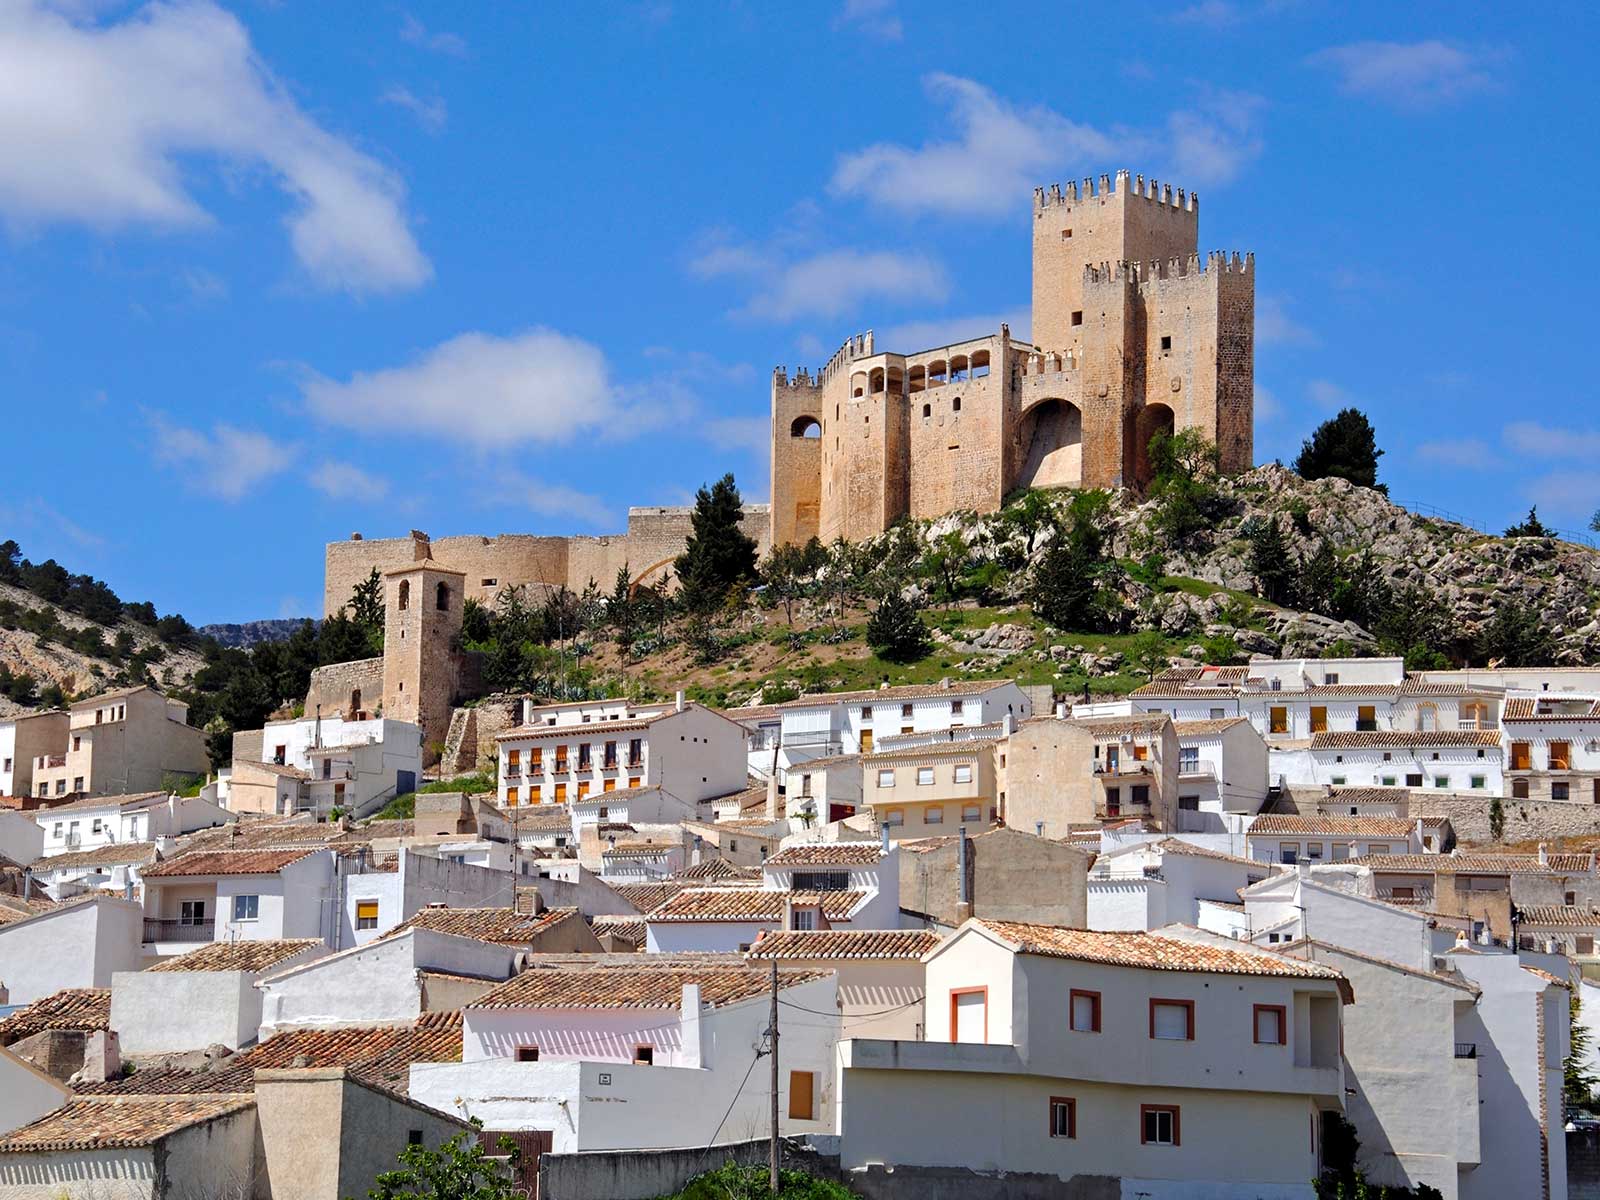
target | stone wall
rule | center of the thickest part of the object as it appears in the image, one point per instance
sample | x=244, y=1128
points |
x=1469, y=814
x=471, y=744
x=332, y=686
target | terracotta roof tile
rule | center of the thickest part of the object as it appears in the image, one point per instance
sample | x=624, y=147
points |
x=816, y=854
x=1474, y=864
x=254, y=957
x=647, y=896
x=226, y=862
x=845, y=943
x=751, y=904
x=1559, y=916
x=1208, y=727
x=103, y=1122
x=1547, y=977
x=1388, y=827
x=1369, y=795
x=717, y=868
x=1526, y=708
x=502, y=925
x=132, y=800
x=1151, y=951
x=1400, y=739
x=627, y=929
x=274, y=768
x=70, y=1008
x=967, y=748
x=627, y=987
x=909, y=691
x=118, y=854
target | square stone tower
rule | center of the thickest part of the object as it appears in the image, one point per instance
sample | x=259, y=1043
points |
x=421, y=621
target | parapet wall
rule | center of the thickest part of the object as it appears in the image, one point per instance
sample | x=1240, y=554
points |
x=332, y=687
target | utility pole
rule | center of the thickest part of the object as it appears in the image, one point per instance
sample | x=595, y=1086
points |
x=772, y=1033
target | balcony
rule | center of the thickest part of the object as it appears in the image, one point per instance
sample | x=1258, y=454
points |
x=54, y=760
x=156, y=930
x=513, y=772
x=1119, y=769
x=1417, y=897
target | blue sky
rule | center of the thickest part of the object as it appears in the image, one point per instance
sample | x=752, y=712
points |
x=274, y=272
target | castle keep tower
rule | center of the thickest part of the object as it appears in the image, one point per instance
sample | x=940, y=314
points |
x=1134, y=334
x=422, y=617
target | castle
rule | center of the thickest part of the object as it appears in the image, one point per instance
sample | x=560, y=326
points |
x=1133, y=335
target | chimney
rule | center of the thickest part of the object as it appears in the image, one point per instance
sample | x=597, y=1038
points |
x=963, y=877
x=678, y=701
x=1006, y=725
x=944, y=683
x=1544, y=855
x=694, y=853
x=527, y=712
x=1461, y=940
x=1061, y=710
x=1038, y=829
x=772, y=795
x=689, y=1016
x=883, y=838
x=5, y=994
x=788, y=912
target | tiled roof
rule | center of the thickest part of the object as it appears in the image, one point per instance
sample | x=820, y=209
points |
x=239, y=956
x=907, y=691
x=1192, y=681
x=1205, y=728
x=717, y=868
x=226, y=862
x=116, y=694
x=277, y=769
x=1559, y=915
x=1395, y=827
x=1526, y=708
x=132, y=800
x=751, y=904
x=1401, y=739
x=1174, y=845
x=70, y=1008
x=821, y=764
x=1369, y=795
x=647, y=896
x=845, y=943
x=1422, y=687
x=814, y=854
x=1117, y=726
x=117, y=854
x=640, y=849
x=502, y=925
x=594, y=729
x=969, y=748
x=627, y=929
x=626, y=987
x=1547, y=977
x=1150, y=951
x=1474, y=864
x=537, y=822
x=104, y=1122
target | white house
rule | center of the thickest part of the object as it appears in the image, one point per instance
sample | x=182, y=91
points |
x=26, y=1093
x=77, y=945
x=115, y=868
x=203, y=998
x=241, y=895
x=1449, y=760
x=1288, y=838
x=1286, y=907
x=97, y=821
x=24, y=739
x=643, y=1056
x=1153, y=1055
x=1150, y=884
x=628, y=806
x=880, y=973
x=1552, y=745
x=21, y=838
x=568, y=752
x=821, y=885
x=374, y=902
x=1222, y=773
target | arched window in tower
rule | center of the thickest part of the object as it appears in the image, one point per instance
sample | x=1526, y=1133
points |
x=805, y=427
x=927, y=410
x=441, y=596
x=980, y=364
x=955, y=405
x=405, y=594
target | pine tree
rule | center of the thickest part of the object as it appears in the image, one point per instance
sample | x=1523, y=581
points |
x=366, y=610
x=719, y=555
x=1270, y=562
x=896, y=632
x=1530, y=526
x=1344, y=447
x=1069, y=582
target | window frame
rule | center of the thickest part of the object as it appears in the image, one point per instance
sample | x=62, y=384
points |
x=810, y=1094
x=1149, y=1110
x=982, y=990
x=1256, y=1013
x=1094, y=1010
x=644, y=1055
x=362, y=917
x=525, y=1053
x=238, y=899
x=1071, y=1106
x=1186, y=1005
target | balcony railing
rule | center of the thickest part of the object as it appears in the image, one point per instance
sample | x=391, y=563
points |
x=1466, y=1049
x=177, y=931
x=513, y=772
x=1124, y=768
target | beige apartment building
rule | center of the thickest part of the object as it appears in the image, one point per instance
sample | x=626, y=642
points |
x=1065, y=774
x=920, y=791
x=122, y=742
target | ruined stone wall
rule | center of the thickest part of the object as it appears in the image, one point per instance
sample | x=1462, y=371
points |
x=332, y=687
x=470, y=745
x=491, y=563
x=599, y=558
x=1525, y=819
x=347, y=563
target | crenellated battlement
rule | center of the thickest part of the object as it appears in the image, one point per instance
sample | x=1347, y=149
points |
x=1057, y=362
x=1215, y=261
x=801, y=380
x=1124, y=184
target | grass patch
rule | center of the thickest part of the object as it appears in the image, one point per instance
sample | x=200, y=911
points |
x=402, y=808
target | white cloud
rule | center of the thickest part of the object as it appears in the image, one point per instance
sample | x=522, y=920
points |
x=227, y=463
x=482, y=390
x=344, y=481
x=203, y=285
x=34, y=515
x=1215, y=13
x=1327, y=394
x=1469, y=453
x=753, y=435
x=1574, y=494
x=1547, y=442
x=876, y=18
x=103, y=124
x=1267, y=407
x=1410, y=75
x=1002, y=151
x=1274, y=325
x=416, y=33
x=431, y=114
x=832, y=283
x=910, y=337
x=547, y=499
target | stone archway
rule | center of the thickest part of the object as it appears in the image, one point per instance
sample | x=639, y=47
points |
x=1051, y=445
x=1146, y=423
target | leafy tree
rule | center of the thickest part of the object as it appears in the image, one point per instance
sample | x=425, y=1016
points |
x=622, y=612
x=1579, y=1081
x=1343, y=447
x=457, y=1170
x=1515, y=637
x=946, y=563
x=1031, y=516
x=896, y=632
x=1413, y=624
x=787, y=572
x=1530, y=526
x=734, y=1182
x=1361, y=593
x=1270, y=561
x=1183, y=485
x=1148, y=652
x=719, y=555
x=1070, y=583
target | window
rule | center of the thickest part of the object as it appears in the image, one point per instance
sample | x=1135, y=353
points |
x=1480, y=781
x=1319, y=718
x=969, y=1014
x=405, y=595
x=441, y=597
x=1278, y=719
x=1367, y=717
x=1172, y=1020
x=77, y=743
x=905, y=712
x=964, y=773
x=927, y=410
x=413, y=1137
x=1414, y=779
x=934, y=815
x=1560, y=756
x=1066, y=235
x=1561, y=791
x=1271, y=1022
x=894, y=816
x=1063, y=1117
x=1314, y=851
x=1289, y=852
x=583, y=788
x=511, y=795
x=821, y=881
x=1521, y=756
x=1166, y=342
x=1084, y=1016
x=885, y=779
x=192, y=912
x=635, y=752
x=1519, y=789
x=1388, y=780
x=366, y=914
x=1441, y=781
x=77, y=786
x=1403, y=892
x=1188, y=803
x=802, y=1095
x=1584, y=943
x=527, y=1054
x=534, y=791
x=1077, y=317
x=1378, y=848
x=957, y=707
x=1159, y=1124
x=585, y=756
x=1139, y=793
x=1188, y=760
x=644, y=1056
x=971, y=813
x=561, y=793
x=246, y=908
x=924, y=776
x=1336, y=780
